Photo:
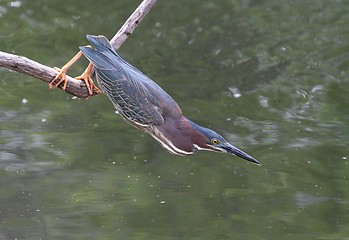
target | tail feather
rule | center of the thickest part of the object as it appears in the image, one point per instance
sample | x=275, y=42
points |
x=104, y=57
x=99, y=42
x=101, y=54
x=98, y=59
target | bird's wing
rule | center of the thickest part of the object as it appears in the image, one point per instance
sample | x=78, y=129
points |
x=129, y=96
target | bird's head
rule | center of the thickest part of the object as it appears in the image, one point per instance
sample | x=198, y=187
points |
x=209, y=140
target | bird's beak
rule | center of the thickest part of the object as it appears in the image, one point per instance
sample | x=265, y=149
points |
x=237, y=152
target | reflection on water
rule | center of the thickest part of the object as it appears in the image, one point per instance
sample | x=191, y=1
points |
x=270, y=76
x=303, y=200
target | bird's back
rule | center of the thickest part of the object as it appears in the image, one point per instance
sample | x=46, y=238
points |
x=136, y=97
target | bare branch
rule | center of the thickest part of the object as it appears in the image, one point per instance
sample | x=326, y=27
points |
x=27, y=66
x=131, y=23
x=77, y=88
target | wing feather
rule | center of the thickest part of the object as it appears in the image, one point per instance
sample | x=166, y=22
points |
x=129, y=96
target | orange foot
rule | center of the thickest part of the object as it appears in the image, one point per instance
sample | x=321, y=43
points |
x=86, y=77
x=61, y=76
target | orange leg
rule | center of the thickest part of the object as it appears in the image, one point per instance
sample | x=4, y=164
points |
x=61, y=76
x=85, y=76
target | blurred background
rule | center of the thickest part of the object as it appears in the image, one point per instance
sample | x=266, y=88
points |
x=270, y=76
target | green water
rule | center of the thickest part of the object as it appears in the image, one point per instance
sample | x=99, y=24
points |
x=270, y=76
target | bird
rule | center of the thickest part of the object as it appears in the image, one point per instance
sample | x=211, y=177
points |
x=145, y=105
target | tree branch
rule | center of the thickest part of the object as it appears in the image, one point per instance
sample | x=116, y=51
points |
x=30, y=67
x=131, y=23
x=77, y=88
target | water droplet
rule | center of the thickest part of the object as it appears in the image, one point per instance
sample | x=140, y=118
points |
x=16, y=4
x=264, y=101
x=236, y=93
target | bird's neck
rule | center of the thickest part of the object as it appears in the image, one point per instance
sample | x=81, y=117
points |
x=197, y=136
x=180, y=136
x=194, y=125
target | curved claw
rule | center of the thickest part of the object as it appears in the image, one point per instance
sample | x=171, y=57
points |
x=89, y=83
x=61, y=77
x=62, y=73
x=85, y=76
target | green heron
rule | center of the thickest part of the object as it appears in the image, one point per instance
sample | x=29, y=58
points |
x=146, y=106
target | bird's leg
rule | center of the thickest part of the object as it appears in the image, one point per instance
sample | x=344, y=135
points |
x=86, y=77
x=61, y=75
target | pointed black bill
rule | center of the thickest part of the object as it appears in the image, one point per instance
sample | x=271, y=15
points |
x=237, y=152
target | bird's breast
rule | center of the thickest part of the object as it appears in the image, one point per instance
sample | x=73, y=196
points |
x=173, y=136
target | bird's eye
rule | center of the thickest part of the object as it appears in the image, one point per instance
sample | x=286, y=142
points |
x=214, y=141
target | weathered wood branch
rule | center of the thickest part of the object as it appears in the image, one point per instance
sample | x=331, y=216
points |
x=42, y=72
x=131, y=23
x=30, y=67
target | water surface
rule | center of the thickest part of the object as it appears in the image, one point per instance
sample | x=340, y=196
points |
x=270, y=76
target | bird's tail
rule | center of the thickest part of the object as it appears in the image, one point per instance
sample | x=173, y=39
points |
x=101, y=54
x=100, y=42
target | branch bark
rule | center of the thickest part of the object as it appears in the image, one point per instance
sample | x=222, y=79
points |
x=77, y=88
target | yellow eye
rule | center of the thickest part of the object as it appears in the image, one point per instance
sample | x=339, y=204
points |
x=214, y=141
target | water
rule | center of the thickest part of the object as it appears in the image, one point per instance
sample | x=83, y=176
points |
x=271, y=76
